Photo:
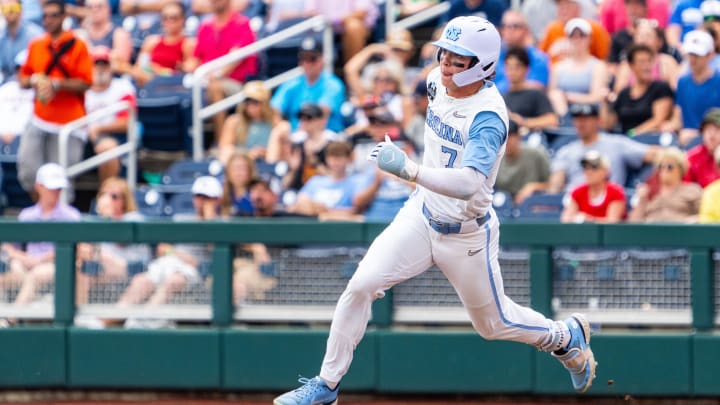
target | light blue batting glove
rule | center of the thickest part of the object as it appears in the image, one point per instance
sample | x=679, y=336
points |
x=393, y=160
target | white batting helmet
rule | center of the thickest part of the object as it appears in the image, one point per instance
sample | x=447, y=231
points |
x=472, y=36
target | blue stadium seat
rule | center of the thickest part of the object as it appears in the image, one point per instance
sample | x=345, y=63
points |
x=179, y=177
x=166, y=123
x=693, y=143
x=559, y=137
x=13, y=195
x=639, y=175
x=181, y=204
x=164, y=86
x=660, y=139
x=503, y=204
x=541, y=206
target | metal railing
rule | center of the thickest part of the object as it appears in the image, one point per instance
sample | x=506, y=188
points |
x=414, y=20
x=128, y=148
x=200, y=113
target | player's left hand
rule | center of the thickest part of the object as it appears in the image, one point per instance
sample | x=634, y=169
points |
x=393, y=160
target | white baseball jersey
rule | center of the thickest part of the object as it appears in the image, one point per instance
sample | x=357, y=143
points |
x=451, y=142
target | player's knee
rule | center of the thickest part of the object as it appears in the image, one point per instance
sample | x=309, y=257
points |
x=487, y=328
x=365, y=286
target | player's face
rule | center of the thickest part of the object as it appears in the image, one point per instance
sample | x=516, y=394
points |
x=451, y=63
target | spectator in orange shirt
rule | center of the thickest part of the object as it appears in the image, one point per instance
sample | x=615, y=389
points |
x=556, y=43
x=59, y=68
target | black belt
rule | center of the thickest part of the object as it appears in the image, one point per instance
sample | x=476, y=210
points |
x=446, y=228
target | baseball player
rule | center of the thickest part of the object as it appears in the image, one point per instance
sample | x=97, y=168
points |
x=449, y=221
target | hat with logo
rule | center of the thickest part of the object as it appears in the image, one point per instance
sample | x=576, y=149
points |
x=51, y=176
x=578, y=24
x=311, y=44
x=698, y=43
x=207, y=186
x=584, y=109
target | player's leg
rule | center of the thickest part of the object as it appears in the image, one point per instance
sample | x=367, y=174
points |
x=478, y=281
x=400, y=252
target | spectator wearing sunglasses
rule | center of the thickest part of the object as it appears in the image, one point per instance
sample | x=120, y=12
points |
x=664, y=197
x=304, y=149
x=623, y=153
x=316, y=85
x=16, y=36
x=515, y=33
x=107, y=262
x=168, y=53
x=597, y=199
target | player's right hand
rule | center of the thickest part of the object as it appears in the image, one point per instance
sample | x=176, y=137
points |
x=393, y=160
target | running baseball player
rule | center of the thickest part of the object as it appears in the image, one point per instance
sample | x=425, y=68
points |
x=449, y=221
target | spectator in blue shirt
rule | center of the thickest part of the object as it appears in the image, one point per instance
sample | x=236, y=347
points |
x=329, y=196
x=316, y=85
x=515, y=33
x=492, y=10
x=699, y=89
x=686, y=16
x=16, y=36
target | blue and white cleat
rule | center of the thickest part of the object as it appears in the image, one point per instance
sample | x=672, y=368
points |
x=579, y=359
x=312, y=392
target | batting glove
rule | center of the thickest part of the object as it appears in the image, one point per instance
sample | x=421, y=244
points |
x=393, y=160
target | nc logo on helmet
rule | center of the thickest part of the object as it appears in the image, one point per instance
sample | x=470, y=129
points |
x=453, y=33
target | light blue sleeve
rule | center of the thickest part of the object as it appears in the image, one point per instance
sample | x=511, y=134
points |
x=279, y=100
x=633, y=152
x=487, y=134
x=310, y=187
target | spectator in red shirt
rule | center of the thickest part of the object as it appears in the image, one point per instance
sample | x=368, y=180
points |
x=225, y=31
x=598, y=199
x=702, y=168
x=614, y=15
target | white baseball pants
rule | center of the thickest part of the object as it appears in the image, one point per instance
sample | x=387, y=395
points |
x=407, y=248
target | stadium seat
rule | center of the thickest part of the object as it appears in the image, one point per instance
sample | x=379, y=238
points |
x=660, y=139
x=503, y=204
x=541, y=206
x=180, y=176
x=693, y=143
x=181, y=204
x=13, y=195
x=166, y=123
x=150, y=202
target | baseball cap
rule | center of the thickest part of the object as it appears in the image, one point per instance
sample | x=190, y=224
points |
x=310, y=110
x=712, y=116
x=578, y=24
x=207, y=186
x=698, y=42
x=595, y=158
x=51, y=176
x=710, y=9
x=256, y=90
x=311, y=44
x=400, y=39
x=383, y=116
x=584, y=109
x=100, y=54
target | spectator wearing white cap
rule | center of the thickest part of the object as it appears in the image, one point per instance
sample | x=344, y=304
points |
x=16, y=104
x=556, y=40
x=176, y=266
x=35, y=266
x=580, y=77
x=698, y=90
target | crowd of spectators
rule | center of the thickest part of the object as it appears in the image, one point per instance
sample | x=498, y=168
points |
x=614, y=105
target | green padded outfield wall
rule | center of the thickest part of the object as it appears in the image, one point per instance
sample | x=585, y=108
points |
x=389, y=359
